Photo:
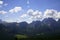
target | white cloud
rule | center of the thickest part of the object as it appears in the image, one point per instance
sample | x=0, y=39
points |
x=10, y=20
x=24, y=15
x=35, y=15
x=58, y=15
x=3, y=12
x=31, y=15
x=15, y=9
x=30, y=19
x=50, y=13
x=1, y=2
x=30, y=11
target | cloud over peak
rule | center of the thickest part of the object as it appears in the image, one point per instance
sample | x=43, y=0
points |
x=15, y=9
x=50, y=13
x=33, y=15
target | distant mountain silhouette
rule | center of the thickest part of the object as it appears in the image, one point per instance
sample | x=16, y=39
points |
x=22, y=27
x=58, y=26
x=49, y=21
x=46, y=27
x=50, y=24
x=34, y=27
x=58, y=22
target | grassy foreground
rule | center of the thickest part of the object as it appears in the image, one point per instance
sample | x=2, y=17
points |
x=39, y=37
x=18, y=37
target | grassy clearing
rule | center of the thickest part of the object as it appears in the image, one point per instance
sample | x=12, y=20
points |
x=20, y=36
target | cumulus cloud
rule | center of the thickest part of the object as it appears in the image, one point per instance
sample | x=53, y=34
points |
x=35, y=13
x=15, y=9
x=3, y=12
x=57, y=15
x=31, y=15
x=30, y=11
x=1, y=2
x=24, y=15
x=50, y=13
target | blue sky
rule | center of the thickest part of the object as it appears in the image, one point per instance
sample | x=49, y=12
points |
x=12, y=10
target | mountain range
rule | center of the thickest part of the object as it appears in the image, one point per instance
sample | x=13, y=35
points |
x=46, y=27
